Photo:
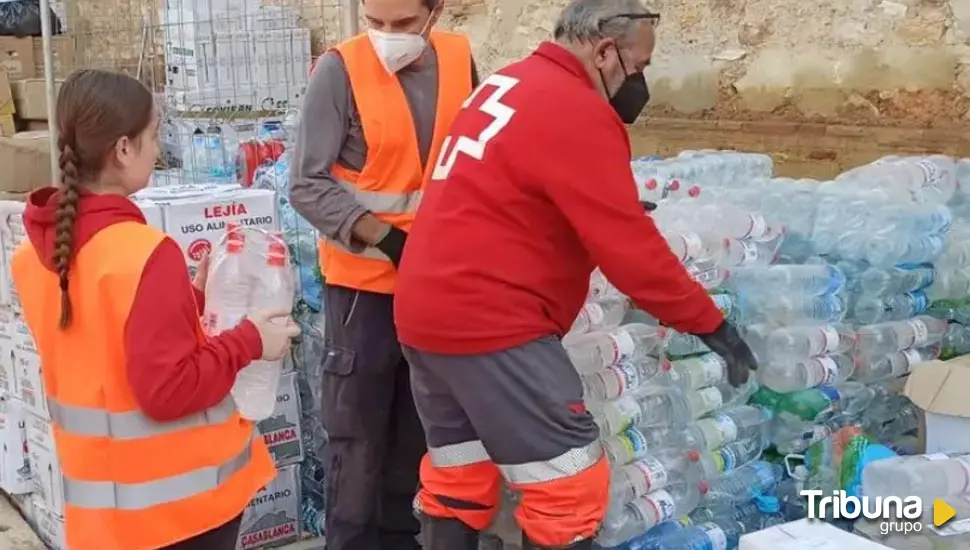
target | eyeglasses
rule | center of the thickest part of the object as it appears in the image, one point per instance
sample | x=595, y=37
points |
x=654, y=18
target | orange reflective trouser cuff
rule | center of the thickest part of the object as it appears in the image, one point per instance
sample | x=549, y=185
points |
x=562, y=511
x=468, y=492
x=516, y=413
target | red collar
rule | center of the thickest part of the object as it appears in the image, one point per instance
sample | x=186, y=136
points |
x=565, y=59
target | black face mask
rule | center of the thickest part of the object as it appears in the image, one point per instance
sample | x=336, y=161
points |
x=631, y=97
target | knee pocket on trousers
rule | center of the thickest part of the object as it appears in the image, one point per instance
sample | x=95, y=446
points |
x=341, y=392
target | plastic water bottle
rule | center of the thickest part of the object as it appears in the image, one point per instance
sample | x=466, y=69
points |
x=793, y=309
x=659, y=406
x=744, y=484
x=808, y=373
x=809, y=341
x=885, y=338
x=721, y=534
x=732, y=456
x=228, y=286
x=598, y=350
x=652, y=473
x=622, y=378
x=599, y=315
x=695, y=373
x=256, y=385
x=742, y=422
x=601, y=289
x=926, y=476
x=644, y=513
x=880, y=282
x=679, y=344
x=813, y=279
x=894, y=365
x=869, y=310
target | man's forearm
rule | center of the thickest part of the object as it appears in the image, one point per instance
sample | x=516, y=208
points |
x=370, y=230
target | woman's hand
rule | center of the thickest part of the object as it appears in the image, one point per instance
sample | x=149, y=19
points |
x=201, y=273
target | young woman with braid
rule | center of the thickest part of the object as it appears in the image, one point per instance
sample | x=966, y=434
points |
x=153, y=452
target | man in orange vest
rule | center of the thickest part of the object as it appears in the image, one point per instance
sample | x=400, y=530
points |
x=375, y=115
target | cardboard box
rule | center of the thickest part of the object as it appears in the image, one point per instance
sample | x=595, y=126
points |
x=65, y=52
x=30, y=379
x=24, y=57
x=6, y=95
x=12, y=233
x=30, y=153
x=48, y=526
x=30, y=98
x=8, y=361
x=196, y=216
x=806, y=534
x=14, y=465
x=273, y=515
x=281, y=431
x=939, y=388
x=8, y=126
x=17, y=57
x=44, y=465
x=152, y=212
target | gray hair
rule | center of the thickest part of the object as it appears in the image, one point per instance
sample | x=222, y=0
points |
x=585, y=20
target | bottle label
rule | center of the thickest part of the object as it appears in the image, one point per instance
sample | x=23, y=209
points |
x=910, y=358
x=693, y=244
x=716, y=536
x=749, y=252
x=758, y=226
x=633, y=442
x=724, y=302
x=629, y=411
x=920, y=302
x=727, y=459
x=627, y=377
x=653, y=472
x=712, y=368
x=832, y=395
x=926, y=277
x=658, y=506
x=710, y=399
x=727, y=427
x=829, y=369
x=830, y=339
x=623, y=345
x=921, y=333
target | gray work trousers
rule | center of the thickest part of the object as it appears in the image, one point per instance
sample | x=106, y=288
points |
x=376, y=440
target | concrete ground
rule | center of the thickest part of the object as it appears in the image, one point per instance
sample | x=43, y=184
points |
x=15, y=534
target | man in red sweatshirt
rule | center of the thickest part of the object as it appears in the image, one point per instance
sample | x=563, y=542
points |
x=533, y=188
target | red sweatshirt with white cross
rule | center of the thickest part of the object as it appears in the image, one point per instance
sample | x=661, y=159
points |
x=534, y=189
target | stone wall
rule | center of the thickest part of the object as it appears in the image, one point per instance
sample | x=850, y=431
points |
x=889, y=62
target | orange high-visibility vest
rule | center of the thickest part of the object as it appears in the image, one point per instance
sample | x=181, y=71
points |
x=390, y=183
x=130, y=483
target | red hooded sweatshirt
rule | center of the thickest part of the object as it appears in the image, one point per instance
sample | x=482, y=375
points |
x=170, y=374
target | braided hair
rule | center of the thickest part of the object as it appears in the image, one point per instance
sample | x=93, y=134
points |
x=95, y=109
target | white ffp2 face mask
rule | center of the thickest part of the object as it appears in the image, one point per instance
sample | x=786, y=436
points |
x=397, y=50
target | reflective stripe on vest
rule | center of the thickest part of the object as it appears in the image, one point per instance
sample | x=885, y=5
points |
x=90, y=422
x=389, y=184
x=380, y=202
x=139, y=496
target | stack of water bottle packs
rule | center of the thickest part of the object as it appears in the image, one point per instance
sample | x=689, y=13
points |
x=839, y=288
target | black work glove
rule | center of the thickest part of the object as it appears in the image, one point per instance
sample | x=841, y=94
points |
x=726, y=342
x=392, y=245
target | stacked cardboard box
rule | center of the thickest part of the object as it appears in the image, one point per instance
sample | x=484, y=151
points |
x=233, y=55
x=23, y=96
x=195, y=217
